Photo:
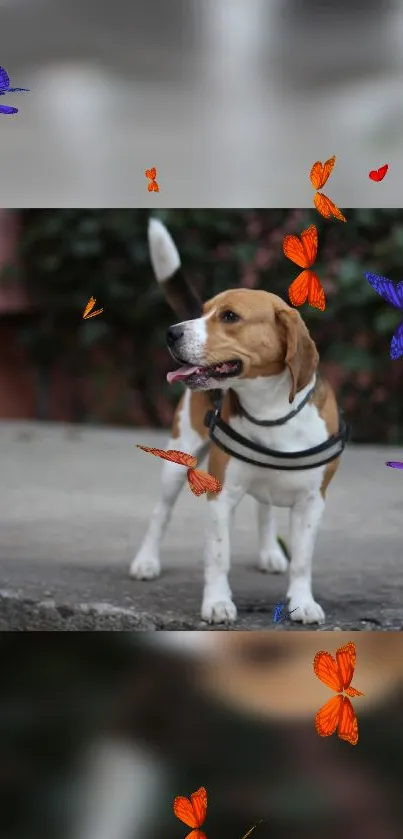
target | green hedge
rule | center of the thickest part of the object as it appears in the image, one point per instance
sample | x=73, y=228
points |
x=70, y=255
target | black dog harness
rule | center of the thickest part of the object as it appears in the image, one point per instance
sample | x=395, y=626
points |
x=243, y=449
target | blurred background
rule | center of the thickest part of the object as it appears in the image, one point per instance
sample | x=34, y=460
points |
x=231, y=100
x=98, y=737
x=111, y=370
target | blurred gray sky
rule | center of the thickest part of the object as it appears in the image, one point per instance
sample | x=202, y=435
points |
x=231, y=100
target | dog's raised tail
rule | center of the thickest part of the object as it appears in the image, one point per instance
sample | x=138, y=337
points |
x=165, y=259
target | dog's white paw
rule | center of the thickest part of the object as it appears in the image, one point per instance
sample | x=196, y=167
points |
x=145, y=566
x=272, y=561
x=219, y=611
x=307, y=610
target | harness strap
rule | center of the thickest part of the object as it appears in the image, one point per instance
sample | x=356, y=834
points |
x=282, y=420
x=227, y=439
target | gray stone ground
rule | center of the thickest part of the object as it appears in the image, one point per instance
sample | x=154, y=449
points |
x=74, y=506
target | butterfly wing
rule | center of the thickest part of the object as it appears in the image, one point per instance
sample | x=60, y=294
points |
x=316, y=295
x=346, y=658
x=379, y=174
x=395, y=464
x=382, y=171
x=328, y=717
x=94, y=314
x=396, y=344
x=322, y=205
x=154, y=186
x=151, y=173
x=4, y=79
x=90, y=305
x=199, y=804
x=320, y=173
x=174, y=456
x=200, y=482
x=293, y=249
x=309, y=239
x=298, y=290
x=7, y=109
x=348, y=724
x=326, y=669
x=326, y=207
x=302, y=251
x=277, y=612
x=192, y=812
x=391, y=292
x=184, y=811
x=251, y=829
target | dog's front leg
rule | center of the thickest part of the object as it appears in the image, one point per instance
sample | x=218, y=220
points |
x=218, y=606
x=305, y=518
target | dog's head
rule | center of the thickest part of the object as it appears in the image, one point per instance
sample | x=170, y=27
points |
x=242, y=334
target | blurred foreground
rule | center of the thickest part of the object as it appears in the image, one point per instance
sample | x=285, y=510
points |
x=231, y=100
x=99, y=734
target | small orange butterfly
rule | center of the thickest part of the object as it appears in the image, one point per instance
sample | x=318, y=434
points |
x=192, y=812
x=90, y=305
x=152, y=174
x=338, y=712
x=307, y=285
x=319, y=175
x=199, y=481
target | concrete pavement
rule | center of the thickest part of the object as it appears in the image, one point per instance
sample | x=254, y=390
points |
x=75, y=502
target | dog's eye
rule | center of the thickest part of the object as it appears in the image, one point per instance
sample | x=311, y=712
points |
x=229, y=317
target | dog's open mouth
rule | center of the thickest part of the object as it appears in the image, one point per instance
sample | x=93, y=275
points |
x=196, y=376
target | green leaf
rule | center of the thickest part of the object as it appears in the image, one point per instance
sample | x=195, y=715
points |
x=351, y=358
x=387, y=320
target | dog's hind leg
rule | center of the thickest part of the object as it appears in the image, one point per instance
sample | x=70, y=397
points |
x=146, y=565
x=272, y=558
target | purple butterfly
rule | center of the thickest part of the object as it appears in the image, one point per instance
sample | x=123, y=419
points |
x=7, y=109
x=278, y=617
x=5, y=88
x=394, y=295
x=395, y=464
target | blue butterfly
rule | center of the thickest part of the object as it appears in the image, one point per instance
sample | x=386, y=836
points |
x=5, y=88
x=394, y=295
x=277, y=612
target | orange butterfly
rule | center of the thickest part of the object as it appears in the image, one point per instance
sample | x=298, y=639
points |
x=303, y=253
x=90, y=305
x=319, y=175
x=338, y=712
x=199, y=481
x=152, y=174
x=193, y=812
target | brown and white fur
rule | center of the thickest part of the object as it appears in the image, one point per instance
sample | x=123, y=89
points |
x=279, y=366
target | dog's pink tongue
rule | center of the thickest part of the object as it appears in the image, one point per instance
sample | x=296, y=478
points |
x=181, y=373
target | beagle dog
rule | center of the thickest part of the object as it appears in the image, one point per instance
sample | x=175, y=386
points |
x=255, y=400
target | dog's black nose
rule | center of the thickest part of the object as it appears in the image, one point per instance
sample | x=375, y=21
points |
x=174, y=333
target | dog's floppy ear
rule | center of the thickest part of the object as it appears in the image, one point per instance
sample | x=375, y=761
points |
x=301, y=356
